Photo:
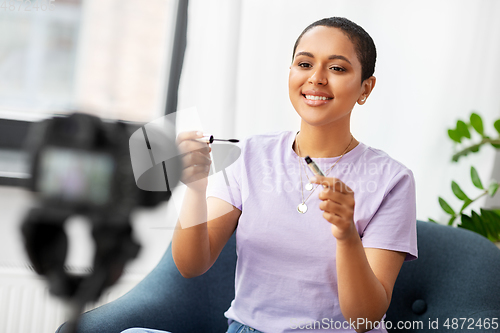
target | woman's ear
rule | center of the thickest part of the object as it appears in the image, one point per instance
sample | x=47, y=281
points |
x=366, y=89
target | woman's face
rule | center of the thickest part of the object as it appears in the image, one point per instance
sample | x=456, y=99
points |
x=325, y=77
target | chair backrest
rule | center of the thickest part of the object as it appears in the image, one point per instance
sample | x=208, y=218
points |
x=456, y=276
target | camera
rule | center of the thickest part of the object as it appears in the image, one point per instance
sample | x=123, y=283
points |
x=81, y=165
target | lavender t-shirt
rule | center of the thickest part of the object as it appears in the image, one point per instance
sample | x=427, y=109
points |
x=286, y=278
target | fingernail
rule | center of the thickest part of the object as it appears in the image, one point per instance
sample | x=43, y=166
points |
x=199, y=133
x=312, y=179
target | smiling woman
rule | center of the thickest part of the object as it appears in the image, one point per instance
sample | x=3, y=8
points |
x=334, y=261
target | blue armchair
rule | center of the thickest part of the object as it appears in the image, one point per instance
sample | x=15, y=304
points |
x=457, y=276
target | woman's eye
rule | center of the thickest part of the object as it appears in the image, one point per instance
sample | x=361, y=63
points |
x=337, y=69
x=304, y=65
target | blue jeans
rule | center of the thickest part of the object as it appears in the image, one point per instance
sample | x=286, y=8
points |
x=237, y=327
x=142, y=330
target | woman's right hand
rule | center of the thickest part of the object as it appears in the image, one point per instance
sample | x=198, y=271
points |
x=196, y=160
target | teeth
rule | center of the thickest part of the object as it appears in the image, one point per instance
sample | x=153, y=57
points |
x=317, y=98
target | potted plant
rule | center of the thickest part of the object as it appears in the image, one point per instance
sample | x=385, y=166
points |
x=487, y=221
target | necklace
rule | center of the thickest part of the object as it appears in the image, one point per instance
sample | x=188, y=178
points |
x=302, y=207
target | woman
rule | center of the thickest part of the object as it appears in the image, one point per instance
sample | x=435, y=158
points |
x=318, y=257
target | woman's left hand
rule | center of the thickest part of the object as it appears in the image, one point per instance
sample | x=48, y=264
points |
x=337, y=204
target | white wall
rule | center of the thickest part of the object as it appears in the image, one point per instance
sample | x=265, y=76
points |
x=437, y=61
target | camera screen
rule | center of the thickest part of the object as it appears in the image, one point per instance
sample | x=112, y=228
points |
x=75, y=176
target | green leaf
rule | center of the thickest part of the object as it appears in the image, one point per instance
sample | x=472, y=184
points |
x=475, y=149
x=453, y=134
x=479, y=224
x=477, y=123
x=495, y=146
x=458, y=191
x=433, y=221
x=496, y=124
x=492, y=220
x=450, y=222
x=466, y=223
x=483, y=222
x=475, y=178
x=446, y=207
x=462, y=129
x=492, y=189
x=495, y=220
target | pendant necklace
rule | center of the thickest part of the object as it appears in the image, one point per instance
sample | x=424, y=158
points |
x=302, y=207
x=308, y=186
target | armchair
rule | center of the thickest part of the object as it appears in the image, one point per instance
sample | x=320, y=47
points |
x=456, y=276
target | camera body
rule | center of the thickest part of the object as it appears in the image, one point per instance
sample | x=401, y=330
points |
x=81, y=164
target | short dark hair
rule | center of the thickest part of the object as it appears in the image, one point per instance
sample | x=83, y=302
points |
x=363, y=43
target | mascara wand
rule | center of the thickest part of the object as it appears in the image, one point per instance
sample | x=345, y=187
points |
x=210, y=139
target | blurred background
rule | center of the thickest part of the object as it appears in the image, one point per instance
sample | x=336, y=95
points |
x=437, y=62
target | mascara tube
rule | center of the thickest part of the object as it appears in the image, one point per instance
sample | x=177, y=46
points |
x=313, y=166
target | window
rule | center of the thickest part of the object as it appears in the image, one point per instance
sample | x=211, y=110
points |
x=110, y=58
x=37, y=57
x=99, y=56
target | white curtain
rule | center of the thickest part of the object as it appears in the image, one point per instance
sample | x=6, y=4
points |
x=437, y=62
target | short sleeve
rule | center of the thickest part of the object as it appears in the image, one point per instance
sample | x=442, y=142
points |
x=225, y=184
x=394, y=225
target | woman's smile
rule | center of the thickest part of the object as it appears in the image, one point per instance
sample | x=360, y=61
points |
x=316, y=98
